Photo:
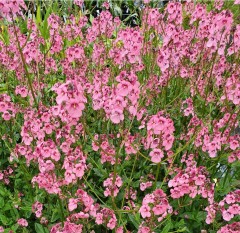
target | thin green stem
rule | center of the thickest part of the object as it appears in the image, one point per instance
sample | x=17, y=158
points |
x=92, y=189
x=61, y=210
x=157, y=174
x=24, y=64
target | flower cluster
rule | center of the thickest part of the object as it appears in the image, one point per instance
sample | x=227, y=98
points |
x=155, y=204
x=10, y=9
x=107, y=217
x=160, y=136
x=230, y=228
x=101, y=25
x=67, y=227
x=116, y=99
x=22, y=222
x=192, y=181
x=112, y=185
x=221, y=136
x=4, y=175
x=127, y=47
x=84, y=200
x=7, y=108
x=187, y=107
x=229, y=206
x=145, y=185
x=70, y=98
x=37, y=208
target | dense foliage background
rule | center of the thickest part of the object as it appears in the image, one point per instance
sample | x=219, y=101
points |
x=119, y=116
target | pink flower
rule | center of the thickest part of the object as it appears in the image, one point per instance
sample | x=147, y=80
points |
x=6, y=116
x=171, y=8
x=234, y=209
x=145, y=211
x=156, y=155
x=146, y=1
x=119, y=230
x=23, y=92
x=123, y=88
x=200, y=179
x=231, y=158
x=99, y=218
x=37, y=209
x=234, y=144
x=106, y=5
x=168, y=142
x=159, y=209
x=22, y=222
x=74, y=108
x=212, y=153
x=230, y=228
x=112, y=187
x=227, y=216
x=69, y=177
x=38, y=213
x=230, y=198
x=79, y=170
x=112, y=223
x=116, y=116
x=118, y=181
x=143, y=186
x=27, y=139
x=146, y=185
x=175, y=193
x=79, y=2
x=72, y=204
x=144, y=229
x=3, y=106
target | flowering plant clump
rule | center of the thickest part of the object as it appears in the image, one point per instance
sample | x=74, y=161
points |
x=111, y=128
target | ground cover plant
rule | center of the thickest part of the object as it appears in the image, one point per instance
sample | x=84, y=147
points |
x=110, y=128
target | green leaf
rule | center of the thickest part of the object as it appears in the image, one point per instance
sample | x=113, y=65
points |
x=44, y=29
x=26, y=208
x=136, y=184
x=4, y=35
x=91, y=18
x=1, y=202
x=167, y=227
x=180, y=223
x=5, y=220
x=201, y=216
x=7, y=206
x=55, y=216
x=40, y=229
x=97, y=172
x=184, y=229
x=23, y=26
x=133, y=220
x=39, y=16
x=117, y=10
x=14, y=213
